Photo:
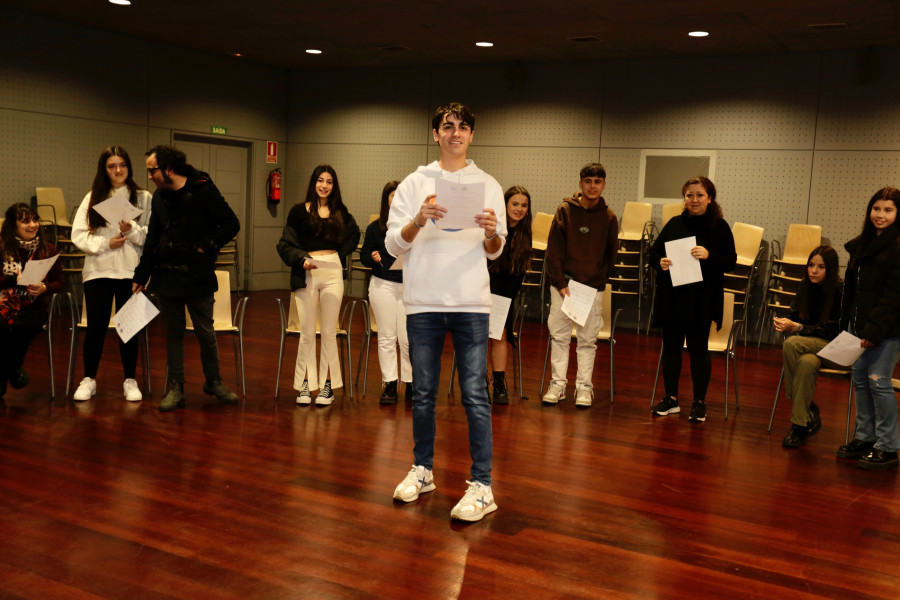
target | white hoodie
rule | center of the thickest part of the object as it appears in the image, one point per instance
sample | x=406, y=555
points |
x=444, y=271
x=101, y=261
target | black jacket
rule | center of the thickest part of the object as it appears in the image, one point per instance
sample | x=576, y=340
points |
x=373, y=241
x=187, y=228
x=293, y=252
x=703, y=300
x=871, y=304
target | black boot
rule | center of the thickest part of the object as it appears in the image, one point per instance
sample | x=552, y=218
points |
x=501, y=396
x=389, y=395
x=409, y=392
x=174, y=399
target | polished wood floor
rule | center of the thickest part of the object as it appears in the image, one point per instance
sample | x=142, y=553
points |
x=107, y=499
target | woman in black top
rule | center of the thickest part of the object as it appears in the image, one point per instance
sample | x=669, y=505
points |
x=320, y=230
x=813, y=320
x=507, y=274
x=386, y=296
x=687, y=311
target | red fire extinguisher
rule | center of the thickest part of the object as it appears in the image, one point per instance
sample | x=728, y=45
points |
x=273, y=187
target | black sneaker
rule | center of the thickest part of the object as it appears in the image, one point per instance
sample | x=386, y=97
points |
x=879, y=460
x=666, y=406
x=698, y=412
x=796, y=437
x=815, y=420
x=19, y=379
x=389, y=395
x=855, y=449
x=326, y=396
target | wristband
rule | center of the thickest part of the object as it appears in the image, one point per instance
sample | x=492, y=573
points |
x=416, y=222
x=496, y=233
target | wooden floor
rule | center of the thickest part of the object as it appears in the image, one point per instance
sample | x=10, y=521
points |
x=106, y=499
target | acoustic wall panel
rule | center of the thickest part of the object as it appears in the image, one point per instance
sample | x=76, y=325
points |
x=622, y=166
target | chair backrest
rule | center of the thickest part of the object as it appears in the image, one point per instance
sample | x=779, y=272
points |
x=48, y=197
x=801, y=239
x=634, y=217
x=718, y=340
x=747, y=239
x=222, y=317
x=671, y=210
x=540, y=230
x=373, y=218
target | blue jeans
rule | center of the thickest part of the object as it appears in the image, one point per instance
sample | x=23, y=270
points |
x=876, y=403
x=469, y=332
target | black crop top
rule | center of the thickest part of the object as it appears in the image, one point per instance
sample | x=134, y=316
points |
x=306, y=233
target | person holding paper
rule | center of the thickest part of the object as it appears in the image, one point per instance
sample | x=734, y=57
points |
x=507, y=274
x=813, y=321
x=581, y=246
x=320, y=229
x=23, y=309
x=189, y=222
x=446, y=288
x=871, y=311
x=386, y=296
x=112, y=251
x=686, y=312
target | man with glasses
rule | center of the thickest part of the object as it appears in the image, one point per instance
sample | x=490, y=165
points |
x=189, y=222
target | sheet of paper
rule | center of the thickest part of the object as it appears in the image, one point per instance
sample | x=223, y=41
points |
x=577, y=305
x=462, y=200
x=397, y=264
x=684, y=268
x=842, y=350
x=499, y=310
x=118, y=208
x=35, y=270
x=325, y=264
x=134, y=316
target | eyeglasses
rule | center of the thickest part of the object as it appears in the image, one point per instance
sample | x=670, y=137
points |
x=151, y=169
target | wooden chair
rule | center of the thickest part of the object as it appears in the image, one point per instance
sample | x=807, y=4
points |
x=721, y=341
x=631, y=274
x=607, y=334
x=51, y=210
x=229, y=258
x=535, y=281
x=748, y=243
x=671, y=210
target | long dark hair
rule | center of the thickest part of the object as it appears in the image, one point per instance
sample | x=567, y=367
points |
x=332, y=229
x=9, y=246
x=516, y=256
x=829, y=284
x=713, y=211
x=869, y=232
x=102, y=185
x=389, y=187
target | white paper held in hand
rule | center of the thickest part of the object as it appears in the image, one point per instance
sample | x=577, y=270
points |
x=684, y=268
x=118, y=208
x=577, y=305
x=462, y=200
x=35, y=270
x=843, y=350
x=499, y=310
x=134, y=316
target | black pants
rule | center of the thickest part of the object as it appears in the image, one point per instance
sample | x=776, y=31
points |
x=697, y=334
x=98, y=298
x=16, y=337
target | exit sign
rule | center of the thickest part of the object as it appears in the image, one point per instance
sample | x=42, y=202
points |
x=218, y=129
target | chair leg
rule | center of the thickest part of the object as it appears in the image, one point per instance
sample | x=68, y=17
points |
x=278, y=364
x=546, y=360
x=727, y=359
x=522, y=395
x=849, y=410
x=612, y=370
x=775, y=404
x=737, y=398
x=656, y=379
x=147, y=362
x=72, y=344
x=452, y=375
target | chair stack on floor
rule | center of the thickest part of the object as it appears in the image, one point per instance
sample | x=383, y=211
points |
x=631, y=273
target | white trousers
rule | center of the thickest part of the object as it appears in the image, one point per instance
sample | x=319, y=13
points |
x=560, y=327
x=386, y=298
x=324, y=290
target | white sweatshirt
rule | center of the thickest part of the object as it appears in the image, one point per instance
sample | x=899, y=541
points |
x=443, y=271
x=101, y=261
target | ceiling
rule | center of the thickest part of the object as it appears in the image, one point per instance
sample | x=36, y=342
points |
x=367, y=33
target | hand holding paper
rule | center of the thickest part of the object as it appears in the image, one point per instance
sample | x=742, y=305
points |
x=578, y=304
x=843, y=350
x=134, y=316
x=118, y=208
x=462, y=200
x=684, y=268
x=35, y=270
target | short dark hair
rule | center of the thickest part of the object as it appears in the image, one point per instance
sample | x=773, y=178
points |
x=167, y=156
x=593, y=169
x=458, y=110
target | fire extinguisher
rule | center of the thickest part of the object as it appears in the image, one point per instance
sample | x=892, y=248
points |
x=273, y=187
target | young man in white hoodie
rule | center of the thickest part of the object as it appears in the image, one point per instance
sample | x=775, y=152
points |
x=446, y=288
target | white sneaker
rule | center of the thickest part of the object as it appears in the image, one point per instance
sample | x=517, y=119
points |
x=584, y=396
x=477, y=502
x=303, y=397
x=418, y=481
x=86, y=389
x=132, y=391
x=555, y=393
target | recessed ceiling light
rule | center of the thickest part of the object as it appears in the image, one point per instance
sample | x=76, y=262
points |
x=485, y=44
x=121, y=2
x=313, y=51
x=698, y=33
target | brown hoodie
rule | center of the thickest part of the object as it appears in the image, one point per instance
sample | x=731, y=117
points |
x=582, y=244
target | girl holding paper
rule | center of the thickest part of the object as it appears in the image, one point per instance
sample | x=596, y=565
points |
x=507, y=274
x=112, y=251
x=871, y=311
x=319, y=230
x=23, y=309
x=686, y=312
x=813, y=320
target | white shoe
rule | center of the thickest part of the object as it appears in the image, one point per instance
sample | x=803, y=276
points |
x=418, y=481
x=86, y=389
x=555, y=393
x=132, y=391
x=303, y=397
x=584, y=396
x=477, y=502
